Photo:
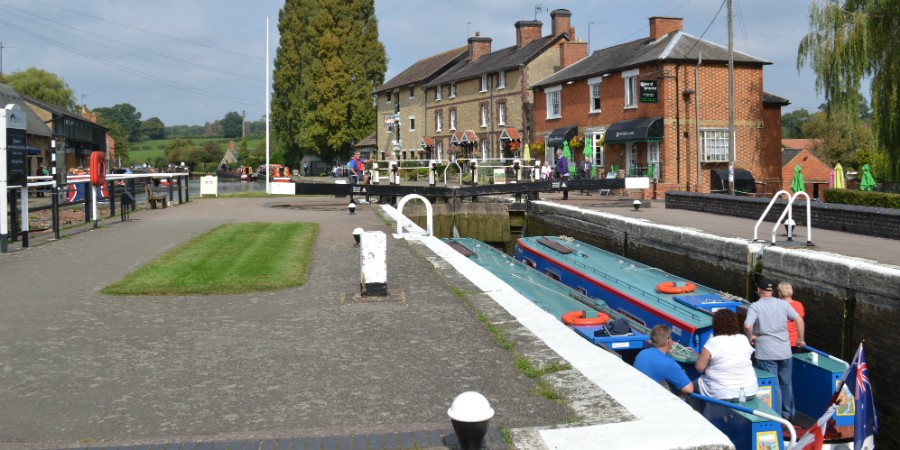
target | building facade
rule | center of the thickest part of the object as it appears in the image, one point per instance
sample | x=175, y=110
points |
x=658, y=107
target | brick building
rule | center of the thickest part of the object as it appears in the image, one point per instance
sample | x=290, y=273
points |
x=636, y=105
x=816, y=174
x=473, y=100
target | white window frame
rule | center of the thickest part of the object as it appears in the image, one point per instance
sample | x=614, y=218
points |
x=631, y=94
x=653, y=158
x=412, y=123
x=439, y=149
x=553, y=95
x=484, y=149
x=501, y=113
x=439, y=120
x=387, y=97
x=484, y=83
x=438, y=93
x=484, y=115
x=594, y=94
x=501, y=80
x=453, y=120
x=597, y=147
x=714, y=142
x=452, y=90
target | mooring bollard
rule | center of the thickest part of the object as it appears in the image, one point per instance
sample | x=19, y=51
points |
x=373, y=263
x=470, y=414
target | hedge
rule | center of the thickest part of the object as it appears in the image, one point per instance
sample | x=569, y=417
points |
x=862, y=198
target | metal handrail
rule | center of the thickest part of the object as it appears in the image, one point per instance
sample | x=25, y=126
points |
x=744, y=409
x=766, y=212
x=789, y=212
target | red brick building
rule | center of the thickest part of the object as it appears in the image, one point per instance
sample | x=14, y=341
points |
x=816, y=174
x=659, y=106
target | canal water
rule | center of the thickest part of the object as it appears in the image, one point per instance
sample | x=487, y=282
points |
x=227, y=186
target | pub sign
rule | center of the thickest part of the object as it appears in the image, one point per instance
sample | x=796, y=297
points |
x=648, y=91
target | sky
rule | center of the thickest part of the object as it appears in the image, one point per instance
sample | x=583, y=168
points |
x=189, y=62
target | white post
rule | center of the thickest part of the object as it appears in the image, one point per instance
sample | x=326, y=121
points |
x=373, y=263
x=268, y=168
x=4, y=204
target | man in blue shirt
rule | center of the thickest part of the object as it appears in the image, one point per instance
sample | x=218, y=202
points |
x=656, y=364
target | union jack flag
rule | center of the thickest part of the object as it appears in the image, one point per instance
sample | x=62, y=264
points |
x=866, y=422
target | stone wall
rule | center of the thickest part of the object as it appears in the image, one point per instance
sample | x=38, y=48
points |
x=846, y=299
x=865, y=220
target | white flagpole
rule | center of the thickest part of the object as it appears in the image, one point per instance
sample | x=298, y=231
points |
x=268, y=184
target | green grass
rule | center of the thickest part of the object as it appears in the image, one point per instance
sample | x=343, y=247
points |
x=150, y=151
x=230, y=259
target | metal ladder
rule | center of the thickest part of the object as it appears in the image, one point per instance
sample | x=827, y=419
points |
x=789, y=213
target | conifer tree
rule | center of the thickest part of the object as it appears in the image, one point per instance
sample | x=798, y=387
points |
x=328, y=63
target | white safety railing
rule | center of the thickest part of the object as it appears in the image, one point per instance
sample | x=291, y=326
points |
x=787, y=212
x=402, y=219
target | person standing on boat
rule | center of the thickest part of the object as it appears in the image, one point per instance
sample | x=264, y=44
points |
x=656, y=364
x=766, y=327
x=724, y=362
x=562, y=170
x=786, y=292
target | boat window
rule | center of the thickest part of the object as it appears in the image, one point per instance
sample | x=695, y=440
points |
x=581, y=290
x=551, y=274
x=528, y=262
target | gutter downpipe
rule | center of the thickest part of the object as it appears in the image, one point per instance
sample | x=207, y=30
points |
x=697, y=115
x=677, y=128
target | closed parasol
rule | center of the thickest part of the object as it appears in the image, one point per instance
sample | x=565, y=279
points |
x=797, y=181
x=526, y=153
x=867, y=183
x=839, y=178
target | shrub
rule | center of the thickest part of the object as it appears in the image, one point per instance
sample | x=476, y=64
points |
x=862, y=198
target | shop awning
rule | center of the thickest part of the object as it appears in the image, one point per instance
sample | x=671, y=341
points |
x=510, y=134
x=635, y=130
x=560, y=135
x=426, y=142
x=33, y=150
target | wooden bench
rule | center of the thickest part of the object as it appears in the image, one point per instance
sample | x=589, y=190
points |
x=155, y=199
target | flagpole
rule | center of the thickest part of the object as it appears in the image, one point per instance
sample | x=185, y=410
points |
x=268, y=184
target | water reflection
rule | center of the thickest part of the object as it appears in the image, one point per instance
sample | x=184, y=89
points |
x=228, y=186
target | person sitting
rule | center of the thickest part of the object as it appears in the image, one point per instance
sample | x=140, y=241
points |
x=724, y=363
x=786, y=293
x=656, y=364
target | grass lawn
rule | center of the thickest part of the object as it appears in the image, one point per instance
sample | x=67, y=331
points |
x=230, y=259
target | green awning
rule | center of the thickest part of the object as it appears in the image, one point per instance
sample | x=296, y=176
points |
x=635, y=130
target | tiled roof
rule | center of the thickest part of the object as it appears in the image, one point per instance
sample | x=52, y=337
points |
x=503, y=59
x=368, y=141
x=59, y=111
x=773, y=99
x=678, y=46
x=787, y=155
x=425, y=69
x=799, y=144
x=33, y=124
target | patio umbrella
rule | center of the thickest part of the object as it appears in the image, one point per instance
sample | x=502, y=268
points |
x=839, y=179
x=526, y=154
x=568, y=155
x=797, y=181
x=867, y=183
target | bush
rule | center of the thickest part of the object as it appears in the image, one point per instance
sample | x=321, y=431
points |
x=862, y=198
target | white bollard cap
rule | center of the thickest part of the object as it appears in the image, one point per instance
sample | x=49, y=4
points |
x=470, y=406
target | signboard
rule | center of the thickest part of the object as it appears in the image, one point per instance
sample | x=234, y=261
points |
x=16, y=160
x=499, y=176
x=648, y=91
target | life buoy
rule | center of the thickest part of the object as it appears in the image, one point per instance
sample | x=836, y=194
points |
x=579, y=318
x=669, y=287
x=98, y=168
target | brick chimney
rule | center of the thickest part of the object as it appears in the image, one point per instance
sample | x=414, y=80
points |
x=571, y=52
x=661, y=26
x=479, y=46
x=527, y=31
x=562, y=23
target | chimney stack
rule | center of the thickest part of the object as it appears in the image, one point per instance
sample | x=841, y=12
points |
x=661, y=26
x=527, y=31
x=479, y=46
x=561, y=19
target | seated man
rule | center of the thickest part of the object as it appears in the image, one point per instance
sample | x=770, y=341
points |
x=655, y=363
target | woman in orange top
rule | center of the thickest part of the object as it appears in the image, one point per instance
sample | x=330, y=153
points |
x=786, y=292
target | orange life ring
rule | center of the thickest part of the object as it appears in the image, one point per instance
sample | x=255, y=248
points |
x=669, y=287
x=98, y=168
x=579, y=318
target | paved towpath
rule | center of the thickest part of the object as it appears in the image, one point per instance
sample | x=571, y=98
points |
x=309, y=365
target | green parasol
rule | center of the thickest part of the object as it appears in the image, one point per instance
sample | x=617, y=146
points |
x=867, y=183
x=839, y=180
x=797, y=181
x=568, y=155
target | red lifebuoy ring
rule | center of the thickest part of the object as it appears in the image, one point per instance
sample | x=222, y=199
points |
x=98, y=168
x=669, y=287
x=579, y=318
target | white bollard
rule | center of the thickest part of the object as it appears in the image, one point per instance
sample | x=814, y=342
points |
x=373, y=264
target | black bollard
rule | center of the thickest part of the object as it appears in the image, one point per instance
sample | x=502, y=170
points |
x=470, y=414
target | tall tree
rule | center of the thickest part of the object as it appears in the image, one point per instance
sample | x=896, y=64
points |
x=232, y=125
x=126, y=115
x=792, y=123
x=153, y=128
x=850, y=40
x=42, y=85
x=328, y=63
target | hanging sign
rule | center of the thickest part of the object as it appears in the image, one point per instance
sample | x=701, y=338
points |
x=648, y=91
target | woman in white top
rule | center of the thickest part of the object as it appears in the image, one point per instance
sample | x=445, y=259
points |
x=724, y=361
x=545, y=171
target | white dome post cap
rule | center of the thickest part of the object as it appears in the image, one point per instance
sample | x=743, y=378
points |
x=470, y=406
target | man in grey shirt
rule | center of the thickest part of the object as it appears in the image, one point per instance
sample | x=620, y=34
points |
x=766, y=327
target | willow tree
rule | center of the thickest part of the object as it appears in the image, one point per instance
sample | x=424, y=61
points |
x=853, y=40
x=328, y=63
